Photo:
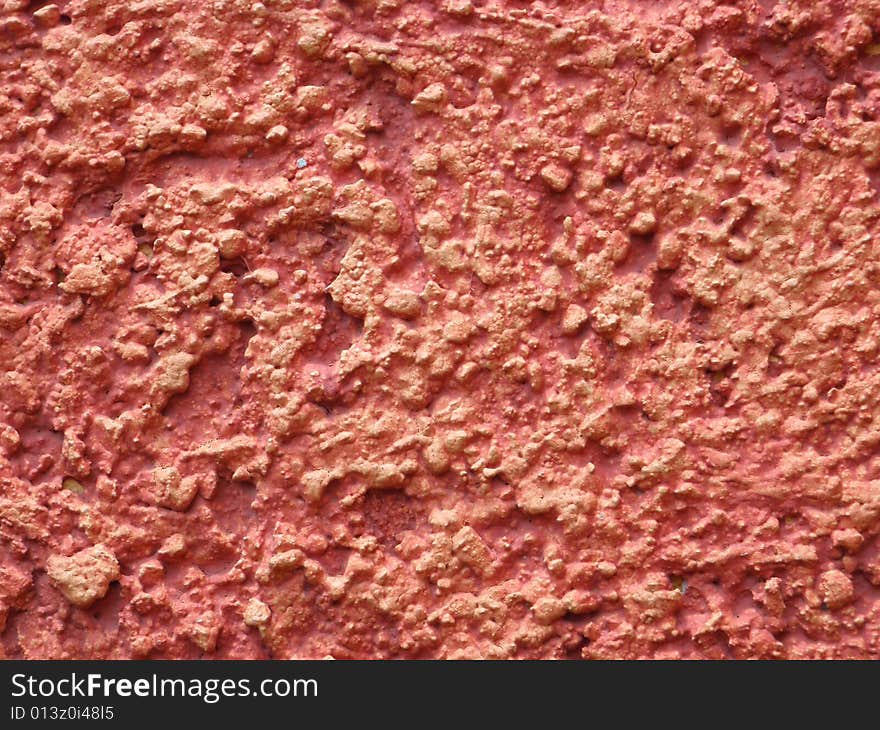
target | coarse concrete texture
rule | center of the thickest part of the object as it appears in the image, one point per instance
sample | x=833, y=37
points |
x=451, y=329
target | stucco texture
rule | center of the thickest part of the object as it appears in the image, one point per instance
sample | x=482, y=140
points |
x=452, y=329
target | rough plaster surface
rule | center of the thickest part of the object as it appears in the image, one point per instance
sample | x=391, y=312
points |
x=439, y=329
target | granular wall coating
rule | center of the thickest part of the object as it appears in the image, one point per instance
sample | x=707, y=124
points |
x=384, y=329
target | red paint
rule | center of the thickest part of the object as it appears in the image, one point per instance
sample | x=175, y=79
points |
x=474, y=329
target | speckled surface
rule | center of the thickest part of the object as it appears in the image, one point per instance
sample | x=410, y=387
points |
x=439, y=329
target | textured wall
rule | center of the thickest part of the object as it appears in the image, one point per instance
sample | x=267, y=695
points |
x=439, y=329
